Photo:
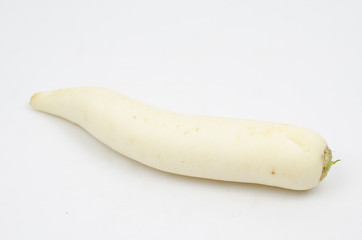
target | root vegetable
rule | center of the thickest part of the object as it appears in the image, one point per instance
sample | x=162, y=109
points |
x=207, y=147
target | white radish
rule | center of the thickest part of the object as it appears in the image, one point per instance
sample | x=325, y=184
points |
x=207, y=147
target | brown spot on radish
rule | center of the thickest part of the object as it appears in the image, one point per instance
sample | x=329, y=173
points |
x=134, y=117
x=196, y=130
x=272, y=172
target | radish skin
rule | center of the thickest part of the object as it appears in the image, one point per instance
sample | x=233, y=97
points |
x=225, y=149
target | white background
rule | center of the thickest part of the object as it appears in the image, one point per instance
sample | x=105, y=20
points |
x=297, y=62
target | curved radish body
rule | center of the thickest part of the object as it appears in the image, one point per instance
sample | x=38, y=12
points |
x=207, y=147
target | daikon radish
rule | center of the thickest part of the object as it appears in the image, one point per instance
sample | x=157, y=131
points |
x=217, y=148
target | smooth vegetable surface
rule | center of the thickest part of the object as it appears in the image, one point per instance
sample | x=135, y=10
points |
x=207, y=147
